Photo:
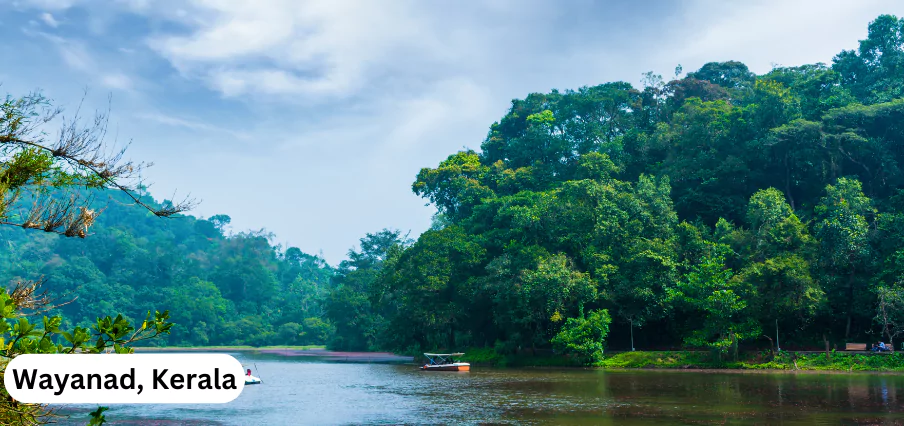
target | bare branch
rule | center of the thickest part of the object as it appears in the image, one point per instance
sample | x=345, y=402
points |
x=83, y=154
x=69, y=217
x=31, y=299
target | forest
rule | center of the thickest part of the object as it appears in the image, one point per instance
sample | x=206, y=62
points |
x=716, y=209
x=719, y=209
x=220, y=288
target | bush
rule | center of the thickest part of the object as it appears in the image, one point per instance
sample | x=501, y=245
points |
x=584, y=337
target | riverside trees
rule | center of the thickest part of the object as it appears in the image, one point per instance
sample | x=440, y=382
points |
x=717, y=207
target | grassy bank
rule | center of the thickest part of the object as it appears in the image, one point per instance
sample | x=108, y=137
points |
x=836, y=361
x=490, y=357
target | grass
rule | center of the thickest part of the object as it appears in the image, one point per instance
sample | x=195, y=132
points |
x=491, y=357
x=836, y=361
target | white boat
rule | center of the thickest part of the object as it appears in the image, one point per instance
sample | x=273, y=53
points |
x=445, y=362
x=251, y=380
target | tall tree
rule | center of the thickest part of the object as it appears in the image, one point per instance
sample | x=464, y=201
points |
x=842, y=228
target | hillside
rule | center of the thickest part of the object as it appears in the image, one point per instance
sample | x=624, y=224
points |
x=220, y=288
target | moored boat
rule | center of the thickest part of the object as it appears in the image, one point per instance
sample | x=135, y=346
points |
x=445, y=362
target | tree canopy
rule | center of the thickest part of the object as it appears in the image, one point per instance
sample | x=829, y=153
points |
x=708, y=211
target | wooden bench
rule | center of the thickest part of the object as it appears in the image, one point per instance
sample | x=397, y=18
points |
x=863, y=347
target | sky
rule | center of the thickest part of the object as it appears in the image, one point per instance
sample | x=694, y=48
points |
x=310, y=119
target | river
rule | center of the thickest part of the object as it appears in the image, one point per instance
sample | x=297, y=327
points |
x=308, y=391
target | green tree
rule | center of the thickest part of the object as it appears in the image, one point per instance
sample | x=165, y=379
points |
x=710, y=289
x=350, y=305
x=584, y=337
x=780, y=254
x=875, y=71
x=842, y=229
x=890, y=311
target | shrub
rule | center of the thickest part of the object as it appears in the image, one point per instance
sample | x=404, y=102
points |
x=584, y=337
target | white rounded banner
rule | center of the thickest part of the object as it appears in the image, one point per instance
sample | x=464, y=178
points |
x=124, y=378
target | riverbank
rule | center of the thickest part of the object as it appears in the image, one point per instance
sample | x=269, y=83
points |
x=319, y=353
x=701, y=360
x=789, y=361
x=645, y=360
x=225, y=348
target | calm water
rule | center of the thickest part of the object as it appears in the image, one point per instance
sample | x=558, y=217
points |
x=307, y=392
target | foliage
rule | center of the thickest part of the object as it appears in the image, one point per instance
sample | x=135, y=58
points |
x=220, y=288
x=97, y=416
x=33, y=170
x=584, y=336
x=493, y=357
x=19, y=335
x=710, y=289
x=714, y=210
x=890, y=311
x=835, y=361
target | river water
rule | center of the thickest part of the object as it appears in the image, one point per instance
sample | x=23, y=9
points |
x=306, y=391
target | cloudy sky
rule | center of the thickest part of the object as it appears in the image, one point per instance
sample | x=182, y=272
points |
x=311, y=118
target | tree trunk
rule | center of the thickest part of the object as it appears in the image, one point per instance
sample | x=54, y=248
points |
x=778, y=344
x=771, y=345
x=828, y=355
x=632, y=336
x=734, y=344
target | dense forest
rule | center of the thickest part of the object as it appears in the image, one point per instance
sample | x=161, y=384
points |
x=220, y=288
x=719, y=209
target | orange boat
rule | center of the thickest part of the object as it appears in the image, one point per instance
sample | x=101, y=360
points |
x=445, y=362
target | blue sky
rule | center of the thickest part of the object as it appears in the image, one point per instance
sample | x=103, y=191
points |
x=311, y=119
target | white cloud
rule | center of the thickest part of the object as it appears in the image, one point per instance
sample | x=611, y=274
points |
x=53, y=4
x=340, y=103
x=762, y=32
x=315, y=47
x=189, y=123
x=49, y=20
x=75, y=55
x=117, y=81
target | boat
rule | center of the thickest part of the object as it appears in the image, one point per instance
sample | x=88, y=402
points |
x=445, y=362
x=251, y=380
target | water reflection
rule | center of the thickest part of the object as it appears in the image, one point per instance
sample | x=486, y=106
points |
x=305, y=392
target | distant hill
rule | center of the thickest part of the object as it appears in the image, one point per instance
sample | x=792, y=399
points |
x=220, y=289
